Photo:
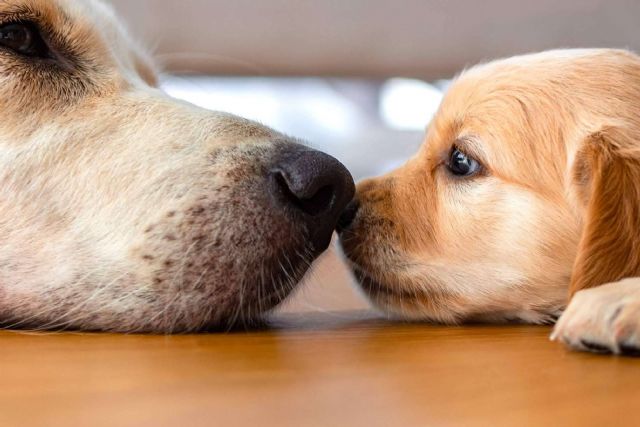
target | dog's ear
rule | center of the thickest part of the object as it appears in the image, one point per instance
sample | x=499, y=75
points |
x=606, y=173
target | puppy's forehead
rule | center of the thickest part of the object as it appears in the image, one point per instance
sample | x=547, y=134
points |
x=516, y=112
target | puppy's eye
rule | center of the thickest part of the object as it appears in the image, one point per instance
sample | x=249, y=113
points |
x=23, y=38
x=461, y=164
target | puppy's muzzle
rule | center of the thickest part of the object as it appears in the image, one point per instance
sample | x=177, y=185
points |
x=316, y=188
x=348, y=215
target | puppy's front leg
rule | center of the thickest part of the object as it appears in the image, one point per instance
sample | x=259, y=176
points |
x=603, y=319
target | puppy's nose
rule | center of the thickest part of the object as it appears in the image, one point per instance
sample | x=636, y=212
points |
x=317, y=187
x=348, y=215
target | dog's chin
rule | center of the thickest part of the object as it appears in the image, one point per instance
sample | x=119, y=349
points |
x=240, y=303
x=256, y=285
x=270, y=284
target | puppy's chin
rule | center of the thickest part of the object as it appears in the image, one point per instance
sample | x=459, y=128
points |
x=385, y=297
x=430, y=302
x=408, y=292
x=372, y=271
x=401, y=302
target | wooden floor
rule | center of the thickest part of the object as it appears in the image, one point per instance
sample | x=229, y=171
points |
x=315, y=367
x=331, y=369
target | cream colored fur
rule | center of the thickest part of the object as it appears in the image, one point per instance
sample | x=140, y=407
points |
x=121, y=208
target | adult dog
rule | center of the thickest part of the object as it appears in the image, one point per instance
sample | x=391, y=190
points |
x=524, y=196
x=122, y=209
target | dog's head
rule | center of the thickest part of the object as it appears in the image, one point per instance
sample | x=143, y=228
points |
x=123, y=209
x=525, y=189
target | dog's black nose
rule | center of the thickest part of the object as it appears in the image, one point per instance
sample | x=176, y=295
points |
x=318, y=187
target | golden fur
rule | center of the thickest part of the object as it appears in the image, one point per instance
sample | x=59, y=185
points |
x=120, y=208
x=555, y=209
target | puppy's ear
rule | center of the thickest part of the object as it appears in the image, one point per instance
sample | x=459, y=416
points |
x=606, y=173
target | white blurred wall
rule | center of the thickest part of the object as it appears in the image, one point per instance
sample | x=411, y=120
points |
x=422, y=38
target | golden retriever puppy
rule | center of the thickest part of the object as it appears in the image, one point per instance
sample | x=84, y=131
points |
x=525, y=192
x=122, y=209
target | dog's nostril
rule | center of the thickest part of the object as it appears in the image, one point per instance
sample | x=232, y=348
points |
x=316, y=187
x=311, y=204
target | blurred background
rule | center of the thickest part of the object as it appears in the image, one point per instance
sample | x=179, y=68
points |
x=359, y=79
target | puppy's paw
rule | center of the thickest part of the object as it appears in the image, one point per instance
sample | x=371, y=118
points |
x=605, y=319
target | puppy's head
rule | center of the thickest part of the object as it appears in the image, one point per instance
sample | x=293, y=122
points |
x=527, y=184
x=123, y=209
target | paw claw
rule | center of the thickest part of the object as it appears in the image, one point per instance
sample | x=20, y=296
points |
x=629, y=350
x=595, y=347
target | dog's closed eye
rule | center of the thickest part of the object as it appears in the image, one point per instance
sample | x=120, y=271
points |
x=24, y=38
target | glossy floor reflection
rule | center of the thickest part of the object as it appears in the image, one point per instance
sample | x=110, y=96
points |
x=322, y=369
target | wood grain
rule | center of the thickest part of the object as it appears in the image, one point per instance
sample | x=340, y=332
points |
x=324, y=369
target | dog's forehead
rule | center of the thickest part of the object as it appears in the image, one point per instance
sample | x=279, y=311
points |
x=92, y=28
x=95, y=13
x=91, y=24
x=509, y=114
x=65, y=12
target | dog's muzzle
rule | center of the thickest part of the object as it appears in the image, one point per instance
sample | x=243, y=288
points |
x=315, y=187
